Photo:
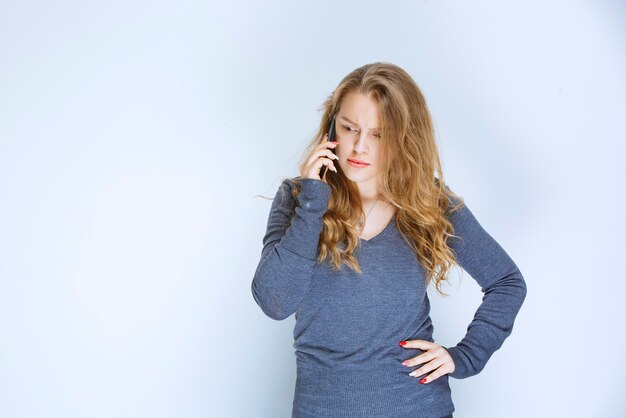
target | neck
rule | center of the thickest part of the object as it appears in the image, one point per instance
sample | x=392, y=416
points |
x=368, y=195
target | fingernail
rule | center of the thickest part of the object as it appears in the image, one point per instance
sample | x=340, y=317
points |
x=402, y=342
x=334, y=169
x=423, y=380
x=404, y=363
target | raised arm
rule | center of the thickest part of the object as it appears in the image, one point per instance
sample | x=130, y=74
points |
x=504, y=292
x=284, y=272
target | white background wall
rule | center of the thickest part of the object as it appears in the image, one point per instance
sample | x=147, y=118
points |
x=134, y=136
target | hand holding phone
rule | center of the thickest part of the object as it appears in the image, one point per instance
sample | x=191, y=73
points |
x=331, y=137
x=321, y=158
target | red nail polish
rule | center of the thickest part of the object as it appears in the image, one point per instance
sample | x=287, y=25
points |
x=402, y=342
x=423, y=380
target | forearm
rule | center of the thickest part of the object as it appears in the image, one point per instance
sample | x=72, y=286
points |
x=281, y=282
x=492, y=324
x=288, y=258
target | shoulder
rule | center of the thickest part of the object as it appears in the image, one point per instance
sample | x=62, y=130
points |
x=455, y=201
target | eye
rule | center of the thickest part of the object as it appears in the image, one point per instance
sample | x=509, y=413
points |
x=347, y=128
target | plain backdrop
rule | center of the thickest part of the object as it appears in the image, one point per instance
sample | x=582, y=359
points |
x=135, y=136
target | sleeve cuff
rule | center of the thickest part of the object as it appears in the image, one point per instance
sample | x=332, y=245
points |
x=314, y=194
x=460, y=371
x=302, y=237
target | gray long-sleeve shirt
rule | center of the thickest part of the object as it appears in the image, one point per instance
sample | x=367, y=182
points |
x=349, y=325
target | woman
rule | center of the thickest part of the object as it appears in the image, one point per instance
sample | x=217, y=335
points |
x=351, y=253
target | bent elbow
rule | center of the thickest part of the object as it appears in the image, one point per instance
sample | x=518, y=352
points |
x=521, y=284
x=515, y=284
x=277, y=315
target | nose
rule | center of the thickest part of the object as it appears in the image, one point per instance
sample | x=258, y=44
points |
x=360, y=146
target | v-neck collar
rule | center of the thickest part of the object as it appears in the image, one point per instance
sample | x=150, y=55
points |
x=381, y=235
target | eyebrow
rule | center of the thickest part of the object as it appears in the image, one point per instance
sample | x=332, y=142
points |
x=349, y=121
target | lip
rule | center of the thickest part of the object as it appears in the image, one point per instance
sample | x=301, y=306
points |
x=357, y=163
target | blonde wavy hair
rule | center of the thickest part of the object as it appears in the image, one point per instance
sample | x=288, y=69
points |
x=408, y=162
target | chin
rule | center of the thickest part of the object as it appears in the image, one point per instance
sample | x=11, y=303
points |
x=358, y=177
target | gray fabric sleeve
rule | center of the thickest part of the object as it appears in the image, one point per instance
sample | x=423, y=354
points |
x=503, y=287
x=290, y=244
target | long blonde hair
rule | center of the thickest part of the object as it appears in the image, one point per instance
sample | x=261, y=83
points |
x=408, y=163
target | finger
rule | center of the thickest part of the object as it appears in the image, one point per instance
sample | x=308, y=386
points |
x=426, y=368
x=330, y=167
x=324, y=176
x=327, y=162
x=435, y=351
x=317, y=154
x=331, y=154
x=314, y=164
x=422, y=358
x=323, y=161
x=433, y=376
x=421, y=344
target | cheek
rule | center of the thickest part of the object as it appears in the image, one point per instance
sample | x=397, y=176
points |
x=342, y=158
x=341, y=153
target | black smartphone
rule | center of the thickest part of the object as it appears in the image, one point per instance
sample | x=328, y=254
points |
x=331, y=137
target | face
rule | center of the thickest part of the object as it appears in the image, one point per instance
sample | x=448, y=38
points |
x=358, y=132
